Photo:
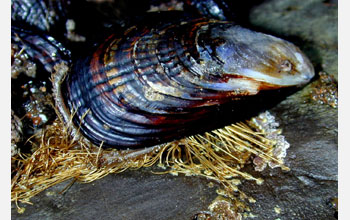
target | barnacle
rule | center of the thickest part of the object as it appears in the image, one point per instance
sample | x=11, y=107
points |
x=325, y=91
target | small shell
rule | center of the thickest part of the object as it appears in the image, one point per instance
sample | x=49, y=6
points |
x=157, y=83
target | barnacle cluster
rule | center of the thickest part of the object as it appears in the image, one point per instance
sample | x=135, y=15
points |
x=21, y=63
x=325, y=91
x=220, y=208
x=266, y=123
x=38, y=108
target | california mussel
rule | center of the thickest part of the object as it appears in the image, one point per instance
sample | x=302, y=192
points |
x=153, y=83
x=45, y=15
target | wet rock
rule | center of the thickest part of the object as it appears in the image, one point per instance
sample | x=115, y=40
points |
x=128, y=195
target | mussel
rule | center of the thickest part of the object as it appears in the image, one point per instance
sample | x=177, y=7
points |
x=44, y=15
x=152, y=83
x=41, y=47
